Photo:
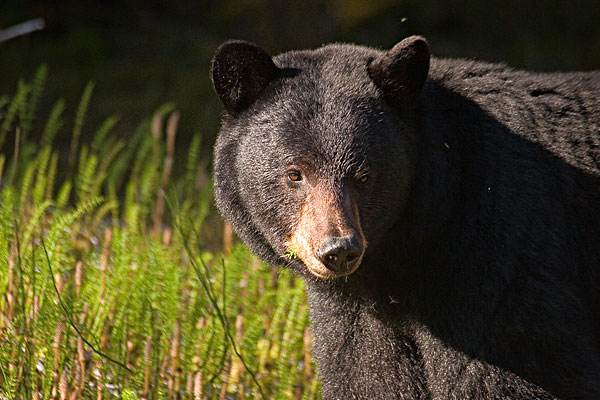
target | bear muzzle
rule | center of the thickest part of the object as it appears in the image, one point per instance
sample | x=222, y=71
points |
x=340, y=254
x=328, y=237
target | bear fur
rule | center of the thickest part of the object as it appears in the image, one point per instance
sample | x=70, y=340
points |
x=480, y=271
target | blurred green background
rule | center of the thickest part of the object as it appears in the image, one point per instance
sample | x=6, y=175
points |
x=144, y=53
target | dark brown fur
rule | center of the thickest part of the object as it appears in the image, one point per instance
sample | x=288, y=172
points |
x=482, y=214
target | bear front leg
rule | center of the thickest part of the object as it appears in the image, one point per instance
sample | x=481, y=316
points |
x=359, y=356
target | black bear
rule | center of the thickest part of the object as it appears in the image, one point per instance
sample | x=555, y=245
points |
x=445, y=215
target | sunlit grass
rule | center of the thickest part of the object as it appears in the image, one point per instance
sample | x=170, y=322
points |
x=108, y=287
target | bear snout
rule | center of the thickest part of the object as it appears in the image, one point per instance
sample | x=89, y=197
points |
x=340, y=254
x=328, y=237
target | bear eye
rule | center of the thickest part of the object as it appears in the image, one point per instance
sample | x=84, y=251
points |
x=294, y=175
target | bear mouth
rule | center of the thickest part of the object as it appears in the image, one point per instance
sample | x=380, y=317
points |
x=321, y=271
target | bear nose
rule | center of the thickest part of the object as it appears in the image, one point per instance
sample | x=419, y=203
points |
x=340, y=254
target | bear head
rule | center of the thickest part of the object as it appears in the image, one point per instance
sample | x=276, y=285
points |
x=315, y=156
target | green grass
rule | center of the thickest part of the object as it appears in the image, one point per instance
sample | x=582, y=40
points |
x=109, y=287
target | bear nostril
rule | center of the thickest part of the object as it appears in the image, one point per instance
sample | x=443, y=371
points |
x=331, y=258
x=339, y=254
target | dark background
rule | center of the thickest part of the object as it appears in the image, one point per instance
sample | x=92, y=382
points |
x=142, y=54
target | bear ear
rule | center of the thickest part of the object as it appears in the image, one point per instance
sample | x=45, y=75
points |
x=240, y=71
x=401, y=72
